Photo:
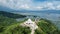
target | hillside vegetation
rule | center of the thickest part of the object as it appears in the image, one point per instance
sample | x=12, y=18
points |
x=8, y=19
x=46, y=27
x=11, y=15
x=8, y=25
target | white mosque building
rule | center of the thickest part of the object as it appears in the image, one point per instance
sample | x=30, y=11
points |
x=31, y=24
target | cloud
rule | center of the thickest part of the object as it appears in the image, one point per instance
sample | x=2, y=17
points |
x=50, y=5
x=25, y=6
x=39, y=8
x=58, y=7
x=30, y=5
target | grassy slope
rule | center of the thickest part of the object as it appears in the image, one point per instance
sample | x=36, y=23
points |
x=16, y=29
x=5, y=21
x=8, y=22
x=46, y=27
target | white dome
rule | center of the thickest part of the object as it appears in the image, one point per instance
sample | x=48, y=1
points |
x=29, y=21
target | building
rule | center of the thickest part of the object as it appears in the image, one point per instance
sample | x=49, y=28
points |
x=31, y=24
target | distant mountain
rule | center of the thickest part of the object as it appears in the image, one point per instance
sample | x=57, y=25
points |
x=50, y=11
x=11, y=15
x=3, y=8
x=45, y=11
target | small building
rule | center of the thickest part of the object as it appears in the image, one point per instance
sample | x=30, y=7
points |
x=31, y=24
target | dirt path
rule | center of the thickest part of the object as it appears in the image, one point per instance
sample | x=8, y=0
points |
x=32, y=31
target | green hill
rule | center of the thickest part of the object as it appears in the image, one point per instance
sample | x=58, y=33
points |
x=8, y=19
x=46, y=27
x=8, y=25
x=11, y=15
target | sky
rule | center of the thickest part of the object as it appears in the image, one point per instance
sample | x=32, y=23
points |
x=31, y=4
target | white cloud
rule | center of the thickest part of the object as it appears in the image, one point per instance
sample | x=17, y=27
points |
x=39, y=8
x=30, y=5
x=24, y=6
x=58, y=7
x=50, y=6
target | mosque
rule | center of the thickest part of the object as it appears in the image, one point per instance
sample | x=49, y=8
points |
x=31, y=24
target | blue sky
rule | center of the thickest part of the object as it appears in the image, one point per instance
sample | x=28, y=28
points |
x=31, y=4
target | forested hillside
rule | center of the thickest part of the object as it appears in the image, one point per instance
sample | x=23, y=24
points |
x=8, y=25
x=11, y=15
x=46, y=27
x=8, y=19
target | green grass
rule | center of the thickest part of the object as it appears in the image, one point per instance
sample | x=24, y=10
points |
x=16, y=25
x=46, y=27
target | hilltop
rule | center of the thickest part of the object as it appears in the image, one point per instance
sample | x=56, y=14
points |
x=44, y=27
x=9, y=25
